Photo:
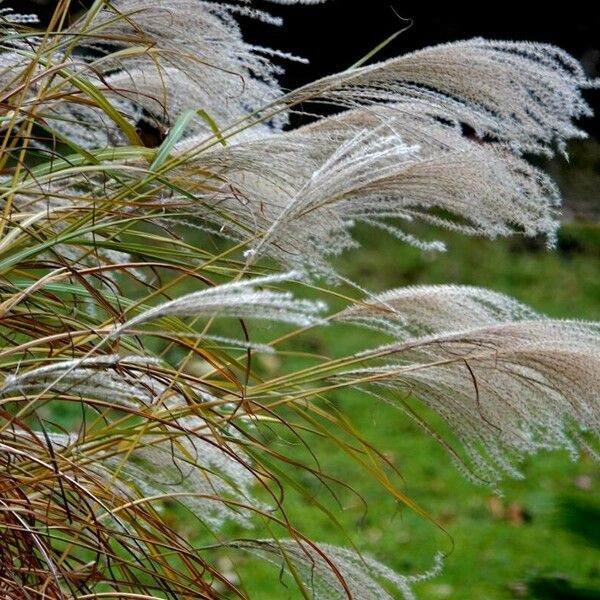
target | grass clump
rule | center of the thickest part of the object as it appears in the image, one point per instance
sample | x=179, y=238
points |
x=168, y=247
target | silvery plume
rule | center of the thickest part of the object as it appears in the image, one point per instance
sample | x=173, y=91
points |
x=506, y=380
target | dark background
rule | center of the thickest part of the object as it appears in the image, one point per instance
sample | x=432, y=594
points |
x=336, y=34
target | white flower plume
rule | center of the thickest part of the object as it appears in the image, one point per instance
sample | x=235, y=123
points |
x=156, y=59
x=524, y=94
x=213, y=475
x=240, y=299
x=301, y=192
x=334, y=573
x=112, y=378
x=433, y=309
x=505, y=388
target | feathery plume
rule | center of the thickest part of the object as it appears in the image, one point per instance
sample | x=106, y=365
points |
x=9, y=17
x=301, y=192
x=505, y=389
x=334, y=573
x=212, y=475
x=435, y=309
x=521, y=93
x=506, y=380
x=196, y=58
x=112, y=378
x=240, y=299
x=155, y=60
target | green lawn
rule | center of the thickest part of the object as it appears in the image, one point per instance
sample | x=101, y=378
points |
x=540, y=540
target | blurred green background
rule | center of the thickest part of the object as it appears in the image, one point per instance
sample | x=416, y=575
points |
x=539, y=538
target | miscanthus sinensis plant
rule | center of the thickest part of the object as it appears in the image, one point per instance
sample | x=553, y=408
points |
x=159, y=216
